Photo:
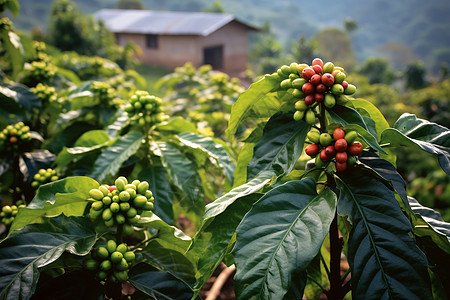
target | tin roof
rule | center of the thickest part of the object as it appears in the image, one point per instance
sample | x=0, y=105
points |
x=164, y=22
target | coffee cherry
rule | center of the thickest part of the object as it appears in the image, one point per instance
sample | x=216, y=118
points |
x=102, y=253
x=325, y=139
x=341, y=157
x=355, y=148
x=328, y=67
x=308, y=88
x=301, y=105
x=293, y=68
x=312, y=150
x=338, y=133
x=318, y=69
x=330, y=151
x=116, y=257
x=308, y=72
x=344, y=85
x=96, y=194
x=337, y=89
x=301, y=67
x=350, y=90
x=351, y=160
x=318, y=97
x=298, y=94
x=142, y=187
x=286, y=84
x=315, y=79
x=341, y=167
x=298, y=83
x=310, y=117
x=351, y=136
x=309, y=100
x=298, y=115
x=317, y=61
x=318, y=162
x=329, y=101
x=321, y=88
x=313, y=136
x=339, y=77
x=327, y=79
x=323, y=156
x=340, y=145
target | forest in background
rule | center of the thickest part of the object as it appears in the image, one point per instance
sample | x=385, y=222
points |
x=401, y=31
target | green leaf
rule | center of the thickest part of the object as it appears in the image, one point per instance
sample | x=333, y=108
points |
x=182, y=173
x=411, y=131
x=158, y=284
x=280, y=146
x=170, y=261
x=68, y=196
x=120, y=122
x=13, y=46
x=13, y=6
x=177, y=125
x=87, y=143
x=380, y=122
x=37, y=245
x=216, y=152
x=162, y=192
x=258, y=102
x=110, y=161
x=168, y=236
x=211, y=242
x=345, y=115
x=16, y=97
x=279, y=237
x=429, y=223
x=385, y=261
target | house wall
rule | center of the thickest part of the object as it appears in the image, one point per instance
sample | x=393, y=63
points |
x=175, y=50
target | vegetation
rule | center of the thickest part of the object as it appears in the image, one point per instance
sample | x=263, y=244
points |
x=117, y=192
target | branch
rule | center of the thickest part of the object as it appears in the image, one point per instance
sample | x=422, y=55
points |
x=214, y=292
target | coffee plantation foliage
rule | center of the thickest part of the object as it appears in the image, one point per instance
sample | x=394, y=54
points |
x=107, y=189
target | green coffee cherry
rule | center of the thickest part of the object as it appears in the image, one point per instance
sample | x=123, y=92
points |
x=328, y=67
x=301, y=105
x=325, y=139
x=329, y=101
x=127, y=229
x=351, y=136
x=96, y=194
x=106, y=265
x=107, y=214
x=97, y=205
x=116, y=257
x=142, y=187
x=310, y=117
x=314, y=136
x=122, y=248
x=102, y=253
x=298, y=115
x=111, y=246
x=114, y=207
x=350, y=90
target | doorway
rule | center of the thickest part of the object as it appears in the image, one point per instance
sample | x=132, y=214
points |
x=213, y=56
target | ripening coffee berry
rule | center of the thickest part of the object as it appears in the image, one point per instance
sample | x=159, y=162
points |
x=293, y=67
x=341, y=167
x=318, y=162
x=325, y=139
x=318, y=97
x=323, y=156
x=317, y=61
x=340, y=145
x=339, y=77
x=315, y=79
x=308, y=88
x=344, y=84
x=351, y=160
x=327, y=79
x=341, y=157
x=298, y=115
x=307, y=73
x=321, y=88
x=318, y=69
x=329, y=101
x=330, y=151
x=355, y=148
x=328, y=67
x=351, y=136
x=338, y=133
x=350, y=90
x=301, y=105
x=312, y=150
x=337, y=89
x=309, y=99
x=310, y=117
x=298, y=83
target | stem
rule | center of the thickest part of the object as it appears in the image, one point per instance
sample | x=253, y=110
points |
x=322, y=118
x=220, y=281
x=119, y=234
x=15, y=183
x=335, y=261
x=385, y=145
x=319, y=285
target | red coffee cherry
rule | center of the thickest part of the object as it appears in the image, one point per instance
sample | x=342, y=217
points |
x=327, y=79
x=344, y=84
x=308, y=72
x=319, y=97
x=338, y=134
x=309, y=99
x=321, y=88
x=341, y=145
x=308, y=88
x=355, y=148
x=317, y=68
x=315, y=79
x=330, y=151
x=341, y=167
x=317, y=61
x=312, y=150
x=341, y=157
x=323, y=156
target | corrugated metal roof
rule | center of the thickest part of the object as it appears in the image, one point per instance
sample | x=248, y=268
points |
x=164, y=22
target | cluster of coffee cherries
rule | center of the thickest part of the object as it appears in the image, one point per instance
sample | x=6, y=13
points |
x=318, y=83
x=43, y=176
x=339, y=147
x=145, y=109
x=121, y=204
x=111, y=261
x=103, y=92
x=45, y=93
x=13, y=137
x=8, y=213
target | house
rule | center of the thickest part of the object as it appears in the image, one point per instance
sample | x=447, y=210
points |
x=171, y=38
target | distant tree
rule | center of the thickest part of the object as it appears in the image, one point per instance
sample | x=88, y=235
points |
x=333, y=44
x=377, y=70
x=440, y=57
x=350, y=25
x=415, y=76
x=303, y=50
x=130, y=4
x=216, y=7
x=400, y=55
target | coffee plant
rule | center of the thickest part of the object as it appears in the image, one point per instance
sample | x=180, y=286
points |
x=108, y=191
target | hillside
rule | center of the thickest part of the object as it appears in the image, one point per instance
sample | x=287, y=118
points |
x=413, y=25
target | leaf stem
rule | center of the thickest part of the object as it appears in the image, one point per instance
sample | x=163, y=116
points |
x=335, y=261
x=319, y=285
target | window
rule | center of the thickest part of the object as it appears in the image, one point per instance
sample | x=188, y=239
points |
x=213, y=56
x=151, y=41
